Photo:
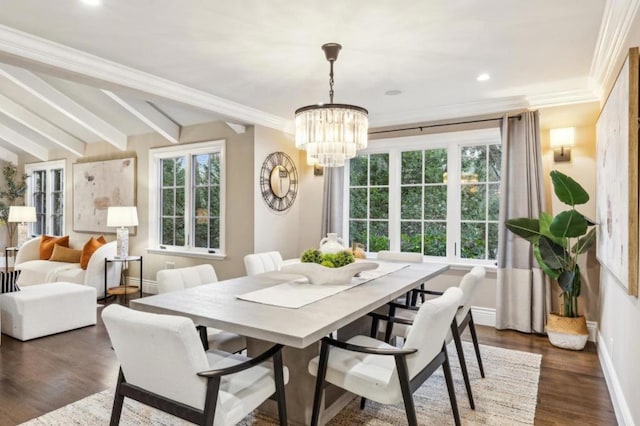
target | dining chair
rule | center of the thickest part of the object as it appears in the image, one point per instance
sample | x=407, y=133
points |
x=383, y=373
x=169, y=280
x=463, y=319
x=163, y=365
x=258, y=263
x=404, y=256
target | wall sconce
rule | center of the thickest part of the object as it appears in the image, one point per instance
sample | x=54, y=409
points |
x=561, y=141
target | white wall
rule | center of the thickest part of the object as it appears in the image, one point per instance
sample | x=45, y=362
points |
x=275, y=230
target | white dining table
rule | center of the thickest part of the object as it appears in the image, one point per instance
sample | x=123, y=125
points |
x=217, y=305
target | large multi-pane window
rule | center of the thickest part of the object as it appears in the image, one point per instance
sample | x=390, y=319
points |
x=369, y=201
x=45, y=191
x=437, y=195
x=189, y=198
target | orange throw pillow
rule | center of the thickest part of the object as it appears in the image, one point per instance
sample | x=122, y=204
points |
x=64, y=254
x=47, y=243
x=89, y=247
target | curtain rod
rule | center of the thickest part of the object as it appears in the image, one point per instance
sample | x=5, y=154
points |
x=428, y=126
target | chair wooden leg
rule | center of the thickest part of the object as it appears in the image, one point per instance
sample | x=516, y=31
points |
x=118, y=400
x=322, y=371
x=422, y=296
x=363, y=402
x=209, y=412
x=450, y=388
x=389, y=327
x=202, y=331
x=403, y=375
x=280, y=395
x=474, y=337
x=463, y=363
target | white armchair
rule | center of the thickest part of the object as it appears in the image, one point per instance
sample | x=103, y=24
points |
x=259, y=263
x=404, y=315
x=178, y=279
x=378, y=371
x=163, y=364
x=36, y=271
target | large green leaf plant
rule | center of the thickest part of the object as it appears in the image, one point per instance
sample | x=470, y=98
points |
x=558, y=241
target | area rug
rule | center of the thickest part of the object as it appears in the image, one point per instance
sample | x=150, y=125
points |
x=507, y=396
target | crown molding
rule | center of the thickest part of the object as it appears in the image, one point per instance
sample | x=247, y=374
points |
x=568, y=97
x=616, y=23
x=442, y=112
x=44, y=54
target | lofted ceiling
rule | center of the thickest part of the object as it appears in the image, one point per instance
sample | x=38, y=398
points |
x=72, y=74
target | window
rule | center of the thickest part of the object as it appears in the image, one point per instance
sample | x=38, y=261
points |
x=187, y=199
x=437, y=195
x=45, y=191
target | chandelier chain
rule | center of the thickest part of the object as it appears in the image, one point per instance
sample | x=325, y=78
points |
x=331, y=82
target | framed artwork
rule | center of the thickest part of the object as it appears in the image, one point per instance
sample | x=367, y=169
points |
x=617, y=177
x=98, y=185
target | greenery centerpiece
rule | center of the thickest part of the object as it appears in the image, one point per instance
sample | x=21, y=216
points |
x=559, y=240
x=330, y=260
x=329, y=268
x=15, y=188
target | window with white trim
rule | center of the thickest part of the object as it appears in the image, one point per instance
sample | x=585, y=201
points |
x=186, y=213
x=45, y=191
x=435, y=194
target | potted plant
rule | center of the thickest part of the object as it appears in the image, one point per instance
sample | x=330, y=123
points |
x=557, y=243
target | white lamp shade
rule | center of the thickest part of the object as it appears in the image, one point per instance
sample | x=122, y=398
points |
x=562, y=137
x=122, y=216
x=22, y=214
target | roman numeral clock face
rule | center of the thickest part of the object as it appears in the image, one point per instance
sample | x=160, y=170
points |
x=279, y=181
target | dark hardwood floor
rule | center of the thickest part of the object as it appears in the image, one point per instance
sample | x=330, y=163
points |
x=47, y=373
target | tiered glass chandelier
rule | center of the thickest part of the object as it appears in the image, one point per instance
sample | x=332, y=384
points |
x=331, y=133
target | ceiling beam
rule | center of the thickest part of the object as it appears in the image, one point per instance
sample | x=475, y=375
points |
x=64, y=104
x=27, y=50
x=42, y=127
x=149, y=116
x=9, y=156
x=23, y=143
x=238, y=128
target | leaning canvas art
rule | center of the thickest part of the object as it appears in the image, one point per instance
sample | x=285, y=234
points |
x=617, y=183
x=98, y=185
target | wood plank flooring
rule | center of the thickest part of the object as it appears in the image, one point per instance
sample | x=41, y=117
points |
x=48, y=373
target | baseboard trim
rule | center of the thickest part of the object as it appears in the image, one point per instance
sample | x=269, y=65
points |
x=620, y=406
x=487, y=316
x=148, y=286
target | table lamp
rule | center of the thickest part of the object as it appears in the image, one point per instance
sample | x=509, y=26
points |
x=21, y=215
x=122, y=217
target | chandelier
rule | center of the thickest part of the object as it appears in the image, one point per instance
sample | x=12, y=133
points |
x=331, y=133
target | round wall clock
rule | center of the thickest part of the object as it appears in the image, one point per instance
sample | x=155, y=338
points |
x=279, y=181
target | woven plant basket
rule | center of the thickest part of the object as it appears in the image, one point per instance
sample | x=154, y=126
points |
x=567, y=332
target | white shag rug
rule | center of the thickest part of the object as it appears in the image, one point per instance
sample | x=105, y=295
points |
x=506, y=396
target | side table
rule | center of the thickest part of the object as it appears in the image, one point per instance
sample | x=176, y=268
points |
x=8, y=250
x=123, y=289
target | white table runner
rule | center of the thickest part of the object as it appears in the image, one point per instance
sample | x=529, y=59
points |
x=298, y=293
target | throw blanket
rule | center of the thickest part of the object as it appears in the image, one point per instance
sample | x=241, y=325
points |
x=8, y=281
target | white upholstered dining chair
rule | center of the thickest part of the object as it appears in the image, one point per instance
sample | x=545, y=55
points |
x=383, y=373
x=463, y=320
x=258, y=263
x=163, y=365
x=169, y=280
x=403, y=256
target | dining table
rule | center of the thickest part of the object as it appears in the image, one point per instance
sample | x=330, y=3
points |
x=222, y=305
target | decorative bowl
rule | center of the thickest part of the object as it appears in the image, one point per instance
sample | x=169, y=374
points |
x=320, y=275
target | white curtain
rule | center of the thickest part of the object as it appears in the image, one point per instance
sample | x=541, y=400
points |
x=523, y=296
x=332, y=200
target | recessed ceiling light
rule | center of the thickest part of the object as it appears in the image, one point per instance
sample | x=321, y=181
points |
x=92, y=2
x=483, y=77
x=393, y=92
